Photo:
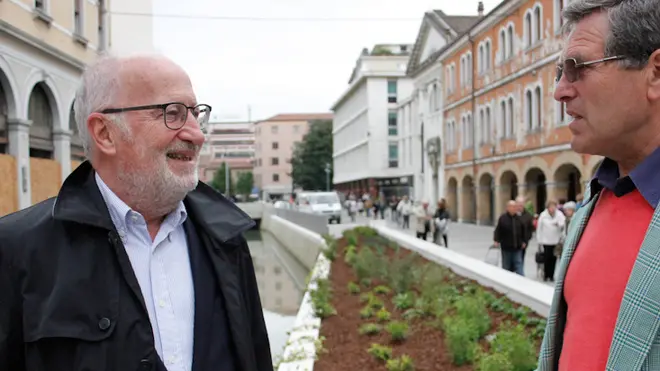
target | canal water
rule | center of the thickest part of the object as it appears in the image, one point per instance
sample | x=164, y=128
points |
x=281, y=279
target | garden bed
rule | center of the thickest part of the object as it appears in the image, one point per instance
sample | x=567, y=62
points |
x=386, y=308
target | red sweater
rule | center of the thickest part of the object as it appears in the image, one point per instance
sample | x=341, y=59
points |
x=597, y=277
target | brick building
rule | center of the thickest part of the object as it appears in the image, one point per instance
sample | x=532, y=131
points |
x=504, y=134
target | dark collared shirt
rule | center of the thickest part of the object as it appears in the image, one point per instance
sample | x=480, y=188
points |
x=645, y=178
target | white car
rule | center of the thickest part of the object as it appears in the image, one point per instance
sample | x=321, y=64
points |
x=321, y=203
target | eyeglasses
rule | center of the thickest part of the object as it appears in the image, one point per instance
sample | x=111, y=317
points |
x=175, y=114
x=571, y=68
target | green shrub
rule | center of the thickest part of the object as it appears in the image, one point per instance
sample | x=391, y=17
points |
x=370, y=329
x=381, y=290
x=380, y=352
x=404, y=301
x=514, y=343
x=383, y=315
x=366, y=312
x=350, y=255
x=365, y=231
x=460, y=337
x=494, y=362
x=473, y=310
x=330, y=251
x=402, y=273
x=321, y=297
x=375, y=302
x=398, y=330
x=353, y=288
x=403, y=363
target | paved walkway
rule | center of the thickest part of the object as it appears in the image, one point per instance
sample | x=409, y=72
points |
x=468, y=239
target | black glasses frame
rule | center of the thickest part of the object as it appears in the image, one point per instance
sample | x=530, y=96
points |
x=163, y=107
x=577, y=66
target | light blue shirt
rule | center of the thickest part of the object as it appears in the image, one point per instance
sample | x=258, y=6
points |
x=162, y=268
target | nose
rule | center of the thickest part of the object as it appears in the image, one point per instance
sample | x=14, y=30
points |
x=564, y=90
x=192, y=132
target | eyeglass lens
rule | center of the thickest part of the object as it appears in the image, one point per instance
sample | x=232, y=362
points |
x=568, y=68
x=176, y=115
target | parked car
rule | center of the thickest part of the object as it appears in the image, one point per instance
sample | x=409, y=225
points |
x=320, y=203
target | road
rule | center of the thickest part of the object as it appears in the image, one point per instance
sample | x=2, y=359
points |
x=468, y=239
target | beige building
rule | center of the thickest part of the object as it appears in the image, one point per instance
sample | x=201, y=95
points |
x=231, y=143
x=274, y=141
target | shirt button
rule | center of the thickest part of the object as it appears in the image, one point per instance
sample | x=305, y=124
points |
x=145, y=365
x=104, y=324
x=161, y=303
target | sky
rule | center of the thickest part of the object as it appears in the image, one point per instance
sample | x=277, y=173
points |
x=260, y=62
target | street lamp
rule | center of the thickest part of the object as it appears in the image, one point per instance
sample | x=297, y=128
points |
x=327, y=176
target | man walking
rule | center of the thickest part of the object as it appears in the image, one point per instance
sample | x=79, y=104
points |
x=510, y=236
x=606, y=304
x=135, y=265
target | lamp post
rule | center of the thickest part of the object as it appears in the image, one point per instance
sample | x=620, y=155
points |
x=327, y=176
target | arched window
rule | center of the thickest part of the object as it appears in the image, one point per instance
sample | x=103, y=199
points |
x=41, y=130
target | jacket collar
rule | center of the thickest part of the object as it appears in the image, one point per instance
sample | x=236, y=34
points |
x=80, y=201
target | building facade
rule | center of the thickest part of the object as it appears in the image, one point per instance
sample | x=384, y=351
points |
x=366, y=135
x=44, y=47
x=274, y=142
x=504, y=133
x=231, y=143
x=420, y=115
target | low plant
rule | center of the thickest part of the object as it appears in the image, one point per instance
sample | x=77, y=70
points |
x=366, y=312
x=403, y=363
x=398, y=330
x=365, y=231
x=383, y=315
x=353, y=288
x=350, y=254
x=404, y=301
x=380, y=352
x=513, y=342
x=375, y=302
x=381, y=290
x=460, y=337
x=494, y=362
x=321, y=298
x=330, y=251
x=370, y=329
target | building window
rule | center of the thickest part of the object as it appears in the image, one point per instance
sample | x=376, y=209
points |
x=276, y=145
x=391, y=91
x=538, y=19
x=529, y=111
x=274, y=161
x=391, y=123
x=276, y=177
x=40, y=4
x=393, y=155
x=509, y=42
x=101, y=25
x=538, y=100
x=273, y=129
x=509, y=117
x=527, y=34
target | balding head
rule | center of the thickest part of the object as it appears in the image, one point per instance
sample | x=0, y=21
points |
x=512, y=207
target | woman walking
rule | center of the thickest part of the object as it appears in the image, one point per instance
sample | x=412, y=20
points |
x=549, y=233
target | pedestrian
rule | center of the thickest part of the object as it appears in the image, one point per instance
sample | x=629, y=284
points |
x=405, y=208
x=605, y=310
x=441, y=221
x=509, y=236
x=422, y=219
x=549, y=233
x=529, y=222
x=135, y=265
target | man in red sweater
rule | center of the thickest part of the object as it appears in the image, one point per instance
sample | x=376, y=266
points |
x=606, y=309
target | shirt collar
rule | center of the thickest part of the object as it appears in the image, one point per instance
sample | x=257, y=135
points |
x=645, y=177
x=120, y=212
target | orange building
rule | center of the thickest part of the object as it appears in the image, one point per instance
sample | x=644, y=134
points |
x=504, y=134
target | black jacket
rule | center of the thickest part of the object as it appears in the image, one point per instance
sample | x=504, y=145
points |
x=510, y=232
x=69, y=300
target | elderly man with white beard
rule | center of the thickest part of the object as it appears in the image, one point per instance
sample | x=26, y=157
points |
x=135, y=265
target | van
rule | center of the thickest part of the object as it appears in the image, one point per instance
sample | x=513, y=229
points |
x=320, y=203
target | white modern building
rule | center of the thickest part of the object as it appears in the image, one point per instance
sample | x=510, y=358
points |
x=421, y=113
x=366, y=136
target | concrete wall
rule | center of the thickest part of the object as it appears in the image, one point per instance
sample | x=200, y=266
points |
x=312, y=222
x=304, y=244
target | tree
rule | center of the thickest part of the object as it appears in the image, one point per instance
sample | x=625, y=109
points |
x=218, y=181
x=311, y=155
x=244, y=184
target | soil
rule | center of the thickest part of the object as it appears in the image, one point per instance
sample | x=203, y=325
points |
x=346, y=349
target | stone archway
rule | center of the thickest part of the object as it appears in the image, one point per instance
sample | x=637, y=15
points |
x=508, y=188
x=6, y=108
x=568, y=182
x=536, y=188
x=77, y=149
x=468, y=200
x=452, y=198
x=486, y=212
x=41, y=111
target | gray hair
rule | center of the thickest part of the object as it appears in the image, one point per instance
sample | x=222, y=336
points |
x=634, y=27
x=98, y=90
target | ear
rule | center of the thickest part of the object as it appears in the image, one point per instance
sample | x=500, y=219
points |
x=653, y=67
x=102, y=136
